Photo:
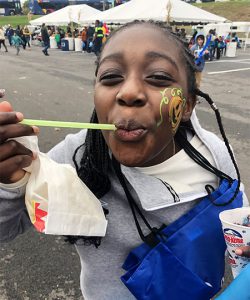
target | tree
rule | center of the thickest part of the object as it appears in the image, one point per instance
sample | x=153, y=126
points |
x=26, y=7
x=169, y=9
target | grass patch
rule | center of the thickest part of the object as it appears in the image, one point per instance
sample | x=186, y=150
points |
x=15, y=20
x=232, y=10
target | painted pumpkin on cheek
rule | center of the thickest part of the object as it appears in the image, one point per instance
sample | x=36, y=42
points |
x=175, y=103
x=176, y=106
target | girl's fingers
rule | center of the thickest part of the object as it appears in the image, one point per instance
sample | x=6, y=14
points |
x=243, y=251
x=16, y=130
x=13, y=148
x=5, y=106
x=11, y=169
x=13, y=155
x=10, y=117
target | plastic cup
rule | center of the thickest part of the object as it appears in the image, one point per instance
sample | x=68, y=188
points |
x=236, y=235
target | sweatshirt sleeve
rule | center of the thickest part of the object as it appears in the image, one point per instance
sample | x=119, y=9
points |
x=14, y=217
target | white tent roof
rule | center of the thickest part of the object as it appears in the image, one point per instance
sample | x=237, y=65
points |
x=70, y=13
x=155, y=10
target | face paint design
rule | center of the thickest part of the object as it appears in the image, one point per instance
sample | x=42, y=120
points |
x=176, y=103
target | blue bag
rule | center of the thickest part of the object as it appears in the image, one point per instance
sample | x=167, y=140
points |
x=188, y=262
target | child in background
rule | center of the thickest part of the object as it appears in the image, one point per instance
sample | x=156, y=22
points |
x=199, y=52
x=159, y=168
x=58, y=39
x=17, y=42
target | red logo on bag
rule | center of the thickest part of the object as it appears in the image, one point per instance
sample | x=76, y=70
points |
x=39, y=214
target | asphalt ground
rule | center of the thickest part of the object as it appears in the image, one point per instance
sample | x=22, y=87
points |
x=60, y=87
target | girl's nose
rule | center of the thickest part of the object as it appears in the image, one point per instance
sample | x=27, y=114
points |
x=131, y=93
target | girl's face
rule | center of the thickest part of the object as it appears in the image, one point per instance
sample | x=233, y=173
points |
x=200, y=41
x=138, y=67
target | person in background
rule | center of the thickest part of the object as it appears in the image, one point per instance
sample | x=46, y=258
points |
x=183, y=33
x=68, y=30
x=62, y=33
x=222, y=45
x=84, y=38
x=58, y=39
x=199, y=50
x=236, y=39
x=17, y=42
x=45, y=39
x=192, y=39
x=27, y=35
x=18, y=30
x=228, y=37
x=106, y=32
x=2, y=39
x=50, y=30
x=22, y=36
x=98, y=37
x=211, y=46
x=90, y=36
x=75, y=33
x=10, y=33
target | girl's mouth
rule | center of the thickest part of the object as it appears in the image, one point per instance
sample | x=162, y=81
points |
x=130, y=135
x=129, y=131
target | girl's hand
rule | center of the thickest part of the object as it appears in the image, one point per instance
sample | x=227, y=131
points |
x=13, y=155
x=243, y=251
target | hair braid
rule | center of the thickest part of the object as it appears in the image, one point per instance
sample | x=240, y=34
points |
x=95, y=162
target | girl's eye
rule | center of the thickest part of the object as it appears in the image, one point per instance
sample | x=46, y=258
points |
x=159, y=79
x=110, y=78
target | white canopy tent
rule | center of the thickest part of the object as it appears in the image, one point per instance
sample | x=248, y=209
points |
x=70, y=13
x=179, y=11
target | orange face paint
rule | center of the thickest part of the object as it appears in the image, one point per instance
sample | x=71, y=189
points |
x=176, y=103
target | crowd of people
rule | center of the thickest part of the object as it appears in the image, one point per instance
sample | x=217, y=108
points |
x=18, y=37
x=217, y=45
x=208, y=48
x=92, y=37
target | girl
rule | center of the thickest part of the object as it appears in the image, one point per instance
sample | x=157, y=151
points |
x=27, y=35
x=2, y=39
x=17, y=42
x=158, y=168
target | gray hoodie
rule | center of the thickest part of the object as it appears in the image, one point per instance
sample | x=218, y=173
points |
x=101, y=267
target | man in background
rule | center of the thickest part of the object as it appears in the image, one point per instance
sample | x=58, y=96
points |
x=45, y=39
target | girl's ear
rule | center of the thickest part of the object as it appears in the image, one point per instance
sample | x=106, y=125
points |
x=188, y=109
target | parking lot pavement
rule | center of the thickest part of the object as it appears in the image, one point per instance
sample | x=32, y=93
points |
x=60, y=87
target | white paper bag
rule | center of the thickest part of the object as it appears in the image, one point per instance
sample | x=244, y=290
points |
x=58, y=202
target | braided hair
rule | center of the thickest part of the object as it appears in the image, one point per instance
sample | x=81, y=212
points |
x=95, y=162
